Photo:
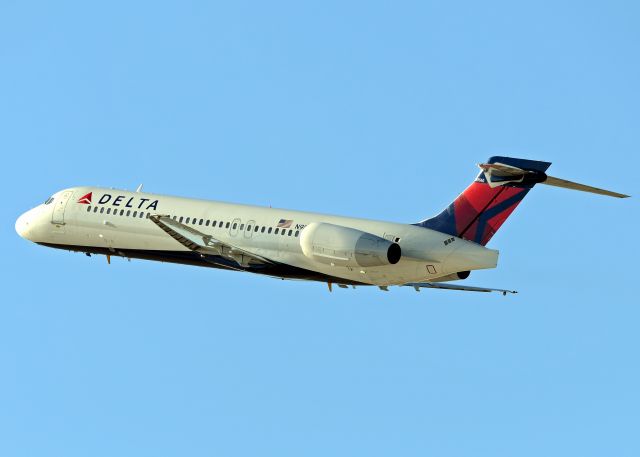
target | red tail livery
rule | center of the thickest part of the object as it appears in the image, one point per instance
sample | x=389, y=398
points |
x=479, y=211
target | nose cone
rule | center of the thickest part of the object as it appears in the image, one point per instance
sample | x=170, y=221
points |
x=22, y=225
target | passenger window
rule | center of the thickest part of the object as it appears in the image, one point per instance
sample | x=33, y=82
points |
x=290, y=232
x=141, y=214
x=235, y=225
x=277, y=230
x=269, y=231
x=241, y=227
x=180, y=220
x=135, y=214
x=248, y=228
x=128, y=212
x=202, y=220
x=207, y=224
x=88, y=209
x=108, y=210
x=297, y=233
x=121, y=212
x=284, y=232
x=227, y=225
x=256, y=229
x=186, y=221
x=262, y=229
x=102, y=210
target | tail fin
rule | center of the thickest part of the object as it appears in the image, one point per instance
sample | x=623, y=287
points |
x=478, y=212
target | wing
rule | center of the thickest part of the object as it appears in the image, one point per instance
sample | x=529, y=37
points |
x=206, y=244
x=437, y=285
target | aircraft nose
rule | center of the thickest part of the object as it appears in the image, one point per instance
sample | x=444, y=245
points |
x=22, y=225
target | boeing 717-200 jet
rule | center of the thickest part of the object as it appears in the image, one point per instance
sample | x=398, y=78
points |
x=294, y=244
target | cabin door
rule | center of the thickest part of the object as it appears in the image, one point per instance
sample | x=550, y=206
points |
x=59, y=204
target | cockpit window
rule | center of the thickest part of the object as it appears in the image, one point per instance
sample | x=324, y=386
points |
x=49, y=200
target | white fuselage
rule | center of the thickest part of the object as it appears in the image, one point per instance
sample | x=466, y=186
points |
x=116, y=222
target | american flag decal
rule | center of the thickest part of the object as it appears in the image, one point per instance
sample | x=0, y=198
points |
x=285, y=223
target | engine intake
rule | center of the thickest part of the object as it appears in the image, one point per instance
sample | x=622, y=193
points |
x=343, y=246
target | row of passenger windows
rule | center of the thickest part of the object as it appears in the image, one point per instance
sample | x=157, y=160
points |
x=127, y=213
x=195, y=221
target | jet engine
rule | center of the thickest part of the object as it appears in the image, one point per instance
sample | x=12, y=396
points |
x=343, y=246
x=452, y=277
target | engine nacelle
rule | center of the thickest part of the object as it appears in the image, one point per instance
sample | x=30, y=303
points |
x=343, y=246
x=452, y=277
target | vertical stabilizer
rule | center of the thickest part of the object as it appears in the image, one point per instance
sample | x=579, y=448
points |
x=478, y=212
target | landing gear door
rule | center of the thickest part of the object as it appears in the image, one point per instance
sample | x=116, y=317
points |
x=59, y=204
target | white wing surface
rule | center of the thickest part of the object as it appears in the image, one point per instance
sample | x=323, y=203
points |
x=206, y=244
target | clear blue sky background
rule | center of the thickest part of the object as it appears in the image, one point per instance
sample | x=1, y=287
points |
x=373, y=109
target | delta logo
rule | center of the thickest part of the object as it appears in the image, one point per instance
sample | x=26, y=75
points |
x=120, y=200
x=85, y=199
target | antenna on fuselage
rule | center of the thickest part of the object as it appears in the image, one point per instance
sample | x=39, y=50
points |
x=139, y=189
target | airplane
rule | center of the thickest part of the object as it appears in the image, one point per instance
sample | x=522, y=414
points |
x=289, y=244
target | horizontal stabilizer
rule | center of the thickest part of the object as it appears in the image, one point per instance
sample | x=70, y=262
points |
x=436, y=285
x=557, y=182
x=499, y=174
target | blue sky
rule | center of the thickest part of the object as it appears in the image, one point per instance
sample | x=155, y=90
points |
x=372, y=109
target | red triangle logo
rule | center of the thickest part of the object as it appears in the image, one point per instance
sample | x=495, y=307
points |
x=85, y=199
